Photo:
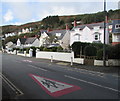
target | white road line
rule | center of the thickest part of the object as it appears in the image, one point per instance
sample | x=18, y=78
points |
x=87, y=72
x=17, y=61
x=116, y=76
x=27, y=60
x=90, y=71
x=92, y=83
x=37, y=67
x=11, y=85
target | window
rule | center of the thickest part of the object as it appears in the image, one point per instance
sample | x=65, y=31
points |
x=58, y=34
x=96, y=28
x=96, y=37
x=117, y=26
x=77, y=37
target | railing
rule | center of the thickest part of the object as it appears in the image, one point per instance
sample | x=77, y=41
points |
x=88, y=57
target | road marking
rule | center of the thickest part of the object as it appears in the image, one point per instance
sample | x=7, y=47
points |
x=116, y=76
x=37, y=67
x=88, y=71
x=17, y=61
x=92, y=83
x=11, y=85
x=27, y=60
x=53, y=87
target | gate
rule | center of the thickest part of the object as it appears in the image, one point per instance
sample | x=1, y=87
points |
x=34, y=53
x=88, y=60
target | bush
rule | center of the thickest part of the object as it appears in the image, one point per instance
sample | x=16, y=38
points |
x=16, y=49
x=90, y=51
x=59, y=49
x=41, y=48
x=34, y=48
x=76, y=47
x=100, y=54
x=54, y=49
x=27, y=50
x=113, y=52
x=46, y=49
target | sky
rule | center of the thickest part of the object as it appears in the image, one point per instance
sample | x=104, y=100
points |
x=17, y=12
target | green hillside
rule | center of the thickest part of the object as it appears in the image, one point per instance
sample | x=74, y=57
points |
x=58, y=22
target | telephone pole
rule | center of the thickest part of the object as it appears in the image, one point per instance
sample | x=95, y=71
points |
x=104, y=46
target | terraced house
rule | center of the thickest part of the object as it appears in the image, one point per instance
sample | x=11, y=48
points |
x=89, y=33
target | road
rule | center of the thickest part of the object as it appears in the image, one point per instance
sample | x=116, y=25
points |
x=30, y=78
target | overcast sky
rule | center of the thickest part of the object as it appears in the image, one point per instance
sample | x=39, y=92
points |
x=18, y=12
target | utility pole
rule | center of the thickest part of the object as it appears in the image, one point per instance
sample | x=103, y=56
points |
x=104, y=47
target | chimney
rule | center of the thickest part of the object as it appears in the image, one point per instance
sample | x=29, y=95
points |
x=67, y=28
x=36, y=36
x=48, y=30
x=75, y=23
x=25, y=36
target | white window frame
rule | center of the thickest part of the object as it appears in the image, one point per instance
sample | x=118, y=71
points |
x=96, y=37
x=77, y=36
x=117, y=27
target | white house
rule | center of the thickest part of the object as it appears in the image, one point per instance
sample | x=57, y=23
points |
x=89, y=33
x=61, y=37
x=33, y=41
x=25, y=30
x=9, y=45
x=28, y=42
x=116, y=32
x=21, y=42
x=43, y=37
x=10, y=34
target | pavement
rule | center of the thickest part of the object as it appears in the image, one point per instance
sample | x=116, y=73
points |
x=90, y=82
x=102, y=69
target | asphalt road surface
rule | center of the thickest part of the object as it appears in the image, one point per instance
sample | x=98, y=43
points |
x=28, y=78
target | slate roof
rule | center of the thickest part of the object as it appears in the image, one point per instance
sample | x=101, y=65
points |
x=22, y=40
x=42, y=31
x=91, y=26
x=114, y=30
x=30, y=40
x=53, y=33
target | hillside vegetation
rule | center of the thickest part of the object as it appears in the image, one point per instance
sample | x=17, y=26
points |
x=58, y=22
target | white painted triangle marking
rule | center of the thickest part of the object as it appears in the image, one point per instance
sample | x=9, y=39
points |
x=53, y=87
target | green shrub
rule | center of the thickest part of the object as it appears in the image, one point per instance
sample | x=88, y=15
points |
x=59, y=49
x=41, y=48
x=114, y=52
x=90, y=51
x=46, y=49
x=34, y=48
x=54, y=49
x=77, y=47
x=27, y=50
x=100, y=54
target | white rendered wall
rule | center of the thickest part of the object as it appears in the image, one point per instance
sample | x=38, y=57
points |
x=55, y=56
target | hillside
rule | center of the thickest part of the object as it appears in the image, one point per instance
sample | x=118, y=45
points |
x=58, y=22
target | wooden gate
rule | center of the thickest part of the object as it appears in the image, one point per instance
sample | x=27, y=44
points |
x=88, y=60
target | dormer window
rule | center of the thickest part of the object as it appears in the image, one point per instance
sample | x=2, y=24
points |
x=96, y=28
x=117, y=26
x=77, y=37
x=97, y=36
x=58, y=34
